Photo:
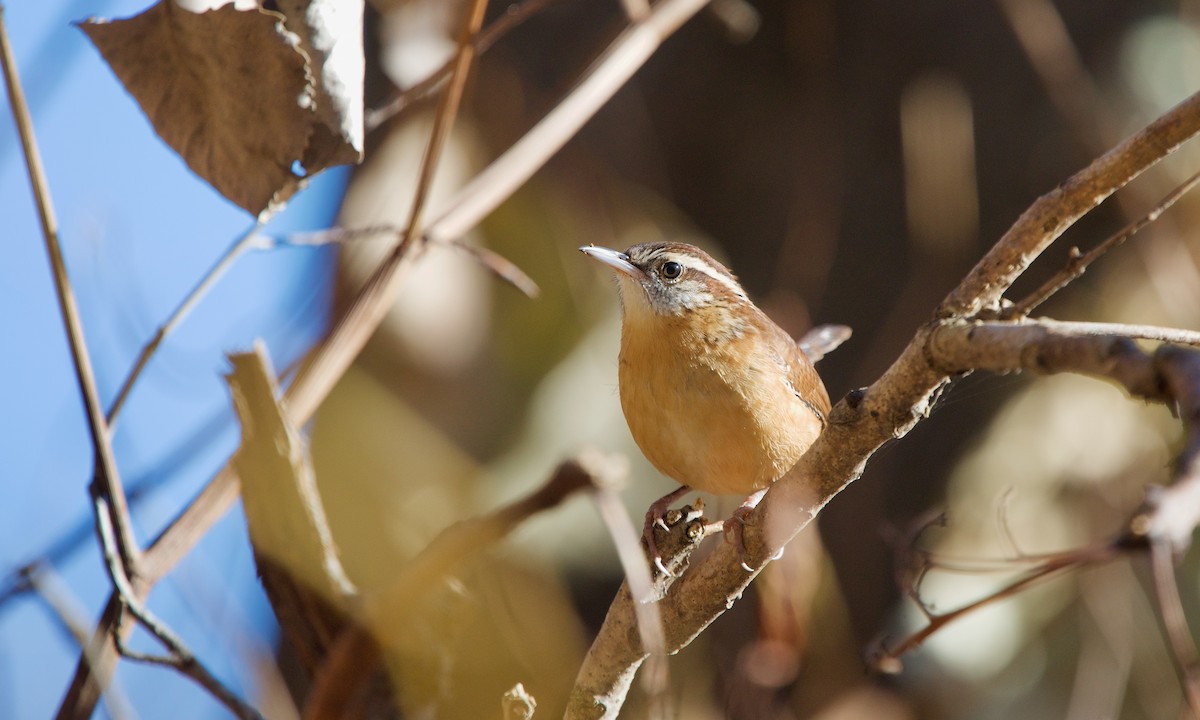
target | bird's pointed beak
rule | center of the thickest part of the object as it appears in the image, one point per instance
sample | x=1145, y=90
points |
x=618, y=261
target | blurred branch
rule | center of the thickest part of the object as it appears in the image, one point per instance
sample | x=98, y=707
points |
x=355, y=655
x=69, y=611
x=638, y=574
x=106, y=479
x=329, y=360
x=886, y=658
x=491, y=260
x=1078, y=262
x=177, y=316
x=866, y=419
x=1039, y=28
x=512, y=18
x=607, y=74
x=1179, y=636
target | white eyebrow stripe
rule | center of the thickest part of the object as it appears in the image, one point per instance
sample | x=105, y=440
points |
x=695, y=263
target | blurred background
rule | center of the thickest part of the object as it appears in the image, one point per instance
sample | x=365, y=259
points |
x=848, y=160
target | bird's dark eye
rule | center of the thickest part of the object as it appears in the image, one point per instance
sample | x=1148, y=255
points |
x=672, y=270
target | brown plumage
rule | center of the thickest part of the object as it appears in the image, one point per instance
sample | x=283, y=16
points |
x=717, y=396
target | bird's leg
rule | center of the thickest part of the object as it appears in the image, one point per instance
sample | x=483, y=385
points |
x=654, y=516
x=736, y=524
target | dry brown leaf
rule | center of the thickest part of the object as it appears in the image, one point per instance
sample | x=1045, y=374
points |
x=292, y=542
x=330, y=33
x=229, y=90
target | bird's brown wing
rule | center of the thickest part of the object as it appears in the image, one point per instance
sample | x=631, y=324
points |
x=801, y=375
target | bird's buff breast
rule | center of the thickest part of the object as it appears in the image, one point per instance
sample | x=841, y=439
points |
x=727, y=432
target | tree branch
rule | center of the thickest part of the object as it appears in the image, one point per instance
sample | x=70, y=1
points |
x=1058, y=209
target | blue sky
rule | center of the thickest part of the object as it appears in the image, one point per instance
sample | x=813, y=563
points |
x=138, y=230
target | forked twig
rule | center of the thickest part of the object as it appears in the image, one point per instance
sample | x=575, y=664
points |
x=179, y=656
x=1051, y=214
x=886, y=658
x=512, y=18
x=491, y=260
x=1078, y=262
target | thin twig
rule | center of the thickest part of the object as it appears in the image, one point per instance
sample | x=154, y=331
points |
x=1051, y=215
x=69, y=611
x=1183, y=647
x=513, y=17
x=106, y=476
x=180, y=657
x=215, y=273
x=492, y=261
x=886, y=658
x=1078, y=263
x=1040, y=30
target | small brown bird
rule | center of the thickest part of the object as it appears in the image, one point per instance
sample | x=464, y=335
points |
x=717, y=396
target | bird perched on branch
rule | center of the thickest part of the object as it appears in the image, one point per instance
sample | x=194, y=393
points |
x=717, y=396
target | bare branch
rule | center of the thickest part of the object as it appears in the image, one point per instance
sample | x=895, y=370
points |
x=619, y=61
x=886, y=658
x=1078, y=263
x=326, y=364
x=106, y=477
x=1058, y=209
x=179, y=657
x=1045, y=346
x=512, y=18
x=499, y=265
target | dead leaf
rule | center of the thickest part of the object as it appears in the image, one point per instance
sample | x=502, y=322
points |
x=293, y=546
x=230, y=90
x=330, y=33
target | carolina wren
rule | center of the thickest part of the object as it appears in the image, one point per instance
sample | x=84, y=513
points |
x=717, y=396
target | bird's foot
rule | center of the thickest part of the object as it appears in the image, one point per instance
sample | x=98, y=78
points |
x=736, y=526
x=661, y=515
